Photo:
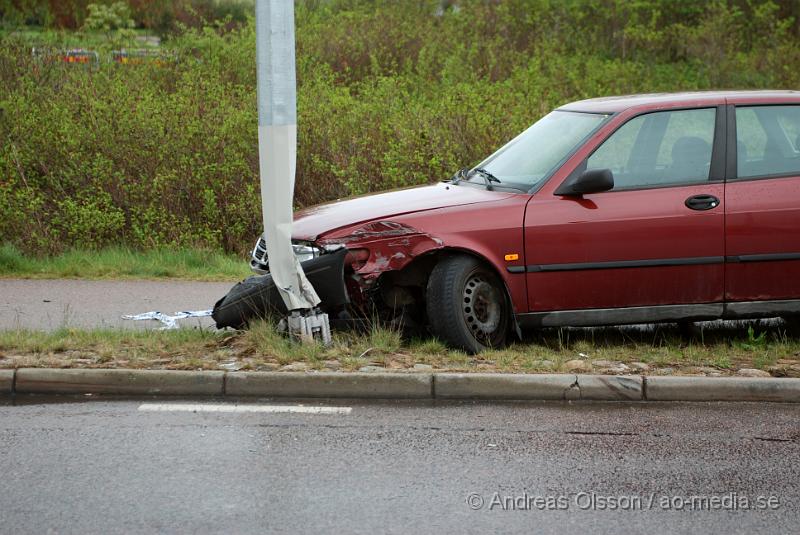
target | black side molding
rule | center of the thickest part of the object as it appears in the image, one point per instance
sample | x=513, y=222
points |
x=619, y=316
x=619, y=264
x=776, y=257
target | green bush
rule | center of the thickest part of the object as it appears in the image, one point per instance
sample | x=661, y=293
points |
x=390, y=94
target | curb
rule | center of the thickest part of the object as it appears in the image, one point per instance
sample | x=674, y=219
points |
x=612, y=387
x=505, y=386
x=330, y=385
x=98, y=381
x=539, y=387
x=6, y=382
x=478, y=386
x=722, y=389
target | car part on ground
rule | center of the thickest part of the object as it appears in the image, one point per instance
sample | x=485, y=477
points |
x=169, y=322
x=257, y=296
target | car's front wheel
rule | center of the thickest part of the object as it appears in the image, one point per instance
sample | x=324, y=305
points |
x=466, y=304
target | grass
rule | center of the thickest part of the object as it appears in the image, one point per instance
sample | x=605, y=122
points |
x=121, y=263
x=722, y=349
x=115, y=348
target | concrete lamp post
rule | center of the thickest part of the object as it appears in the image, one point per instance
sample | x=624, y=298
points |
x=277, y=151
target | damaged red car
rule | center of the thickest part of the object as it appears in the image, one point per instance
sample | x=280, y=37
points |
x=635, y=209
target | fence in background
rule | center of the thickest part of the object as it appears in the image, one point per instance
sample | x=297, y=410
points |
x=81, y=56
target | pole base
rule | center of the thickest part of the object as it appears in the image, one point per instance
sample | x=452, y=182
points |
x=309, y=326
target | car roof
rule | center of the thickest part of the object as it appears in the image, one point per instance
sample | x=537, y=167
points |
x=670, y=100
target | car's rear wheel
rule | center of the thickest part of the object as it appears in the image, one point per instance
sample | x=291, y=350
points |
x=466, y=304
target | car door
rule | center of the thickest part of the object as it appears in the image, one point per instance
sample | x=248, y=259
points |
x=762, y=206
x=653, y=246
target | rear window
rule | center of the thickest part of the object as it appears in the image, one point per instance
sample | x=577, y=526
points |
x=767, y=141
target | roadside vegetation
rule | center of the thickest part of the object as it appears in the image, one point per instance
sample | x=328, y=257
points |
x=150, y=169
x=163, y=154
x=758, y=348
x=120, y=263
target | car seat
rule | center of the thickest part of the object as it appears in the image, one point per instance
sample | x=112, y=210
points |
x=691, y=159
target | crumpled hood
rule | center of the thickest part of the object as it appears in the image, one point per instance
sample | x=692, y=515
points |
x=316, y=221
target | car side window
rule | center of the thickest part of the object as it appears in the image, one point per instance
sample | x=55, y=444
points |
x=767, y=141
x=661, y=148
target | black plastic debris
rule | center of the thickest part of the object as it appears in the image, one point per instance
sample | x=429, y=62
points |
x=257, y=297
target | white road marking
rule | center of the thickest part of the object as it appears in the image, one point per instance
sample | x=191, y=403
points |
x=222, y=407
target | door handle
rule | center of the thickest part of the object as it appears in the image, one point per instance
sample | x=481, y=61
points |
x=702, y=202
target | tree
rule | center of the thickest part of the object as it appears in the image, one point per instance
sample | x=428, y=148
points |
x=117, y=16
x=115, y=20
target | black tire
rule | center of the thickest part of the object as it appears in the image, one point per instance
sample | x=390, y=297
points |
x=467, y=305
x=254, y=298
x=690, y=330
x=792, y=323
x=258, y=297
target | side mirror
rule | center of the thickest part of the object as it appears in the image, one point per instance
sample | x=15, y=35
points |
x=590, y=181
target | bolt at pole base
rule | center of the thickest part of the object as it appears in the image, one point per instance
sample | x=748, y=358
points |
x=308, y=327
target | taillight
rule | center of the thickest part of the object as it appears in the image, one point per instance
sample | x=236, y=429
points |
x=357, y=258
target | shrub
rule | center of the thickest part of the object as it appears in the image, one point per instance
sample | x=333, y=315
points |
x=390, y=94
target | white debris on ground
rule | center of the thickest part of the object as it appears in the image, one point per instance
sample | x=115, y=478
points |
x=170, y=322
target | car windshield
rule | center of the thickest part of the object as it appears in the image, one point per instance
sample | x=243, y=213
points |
x=536, y=153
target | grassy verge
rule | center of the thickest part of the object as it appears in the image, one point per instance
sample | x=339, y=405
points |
x=120, y=263
x=717, y=350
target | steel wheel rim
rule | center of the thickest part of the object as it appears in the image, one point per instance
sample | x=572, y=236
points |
x=481, y=307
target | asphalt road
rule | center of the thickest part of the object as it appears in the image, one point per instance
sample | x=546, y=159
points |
x=109, y=467
x=51, y=304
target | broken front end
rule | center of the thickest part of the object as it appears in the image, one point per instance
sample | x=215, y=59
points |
x=376, y=271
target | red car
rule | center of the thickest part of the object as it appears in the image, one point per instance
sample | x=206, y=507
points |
x=617, y=210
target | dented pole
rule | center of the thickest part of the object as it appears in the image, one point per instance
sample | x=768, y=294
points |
x=277, y=150
x=277, y=147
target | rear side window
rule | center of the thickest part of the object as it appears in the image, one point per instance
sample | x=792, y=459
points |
x=658, y=149
x=767, y=141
